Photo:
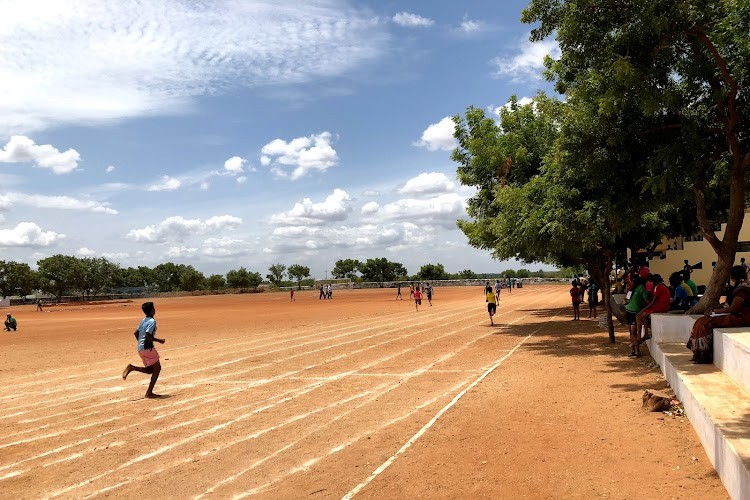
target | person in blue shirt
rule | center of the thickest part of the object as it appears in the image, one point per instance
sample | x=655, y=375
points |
x=146, y=336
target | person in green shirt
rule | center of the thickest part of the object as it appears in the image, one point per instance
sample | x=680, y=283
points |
x=635, y=304
x=686, y=279
x=10, y=323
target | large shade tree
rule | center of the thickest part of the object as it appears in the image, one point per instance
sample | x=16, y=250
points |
x=679, y=71
x=381, y=270
x=298, y=272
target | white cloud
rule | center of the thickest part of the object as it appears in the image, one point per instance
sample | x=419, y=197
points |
x=85, y=252
x=110, y=168
x=521, y=102
x=241, y=180
x=21, y=149
x=8, y=201
x=428, y=183
x=442, y=210
x=87, y=61
x=224, y=247
x=116, y=256
x=410, y=20
x=529, y=62
x=439, y=136
x=28, y=234
x=370, y=192
x=370, y=207
x=179, y=229
x=336, y=207
x=469, y=26
x=180, y=252
x=303, y=154
x=166, y=183
x=235, y=165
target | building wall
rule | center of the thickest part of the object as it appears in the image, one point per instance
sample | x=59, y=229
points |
x=695, y=252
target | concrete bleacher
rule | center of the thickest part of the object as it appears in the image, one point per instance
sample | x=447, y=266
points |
x=716, y=397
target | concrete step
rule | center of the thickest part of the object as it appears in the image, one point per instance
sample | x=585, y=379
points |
x=669, y=327
x=732, y=354
x=718, y=409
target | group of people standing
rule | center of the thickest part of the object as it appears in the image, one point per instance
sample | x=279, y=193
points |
x=326, y=292
x=579, y=289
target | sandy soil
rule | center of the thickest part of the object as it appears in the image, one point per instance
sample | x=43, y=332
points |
x=361, y=396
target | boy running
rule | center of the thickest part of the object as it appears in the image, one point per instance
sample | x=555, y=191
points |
x=491, y=300
x=145, y=337
x=417, y=297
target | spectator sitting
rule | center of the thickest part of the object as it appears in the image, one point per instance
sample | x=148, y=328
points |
x=659, y=303
x=736, y=314
x=10, y=323
x=680, y=299
x=693, y=287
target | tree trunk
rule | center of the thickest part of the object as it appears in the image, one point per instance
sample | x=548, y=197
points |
x=600, y=267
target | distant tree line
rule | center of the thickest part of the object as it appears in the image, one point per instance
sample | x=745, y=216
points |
x=89, y=277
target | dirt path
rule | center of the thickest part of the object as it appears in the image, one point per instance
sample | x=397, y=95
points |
x=316, y=398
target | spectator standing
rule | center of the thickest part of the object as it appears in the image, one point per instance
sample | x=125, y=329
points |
x=593, y=292
x=576, y=294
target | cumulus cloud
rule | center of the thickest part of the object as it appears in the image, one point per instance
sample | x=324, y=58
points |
x=439, y=136
x=442, y=210
x=10, y=200
x=21, y=149
x=224, y=247
x=110, y=168
x=529, y=62
x=409, y=20
x=300, y=156
x=179, y=229
x=428, y=183
x=95, y=60
x=336, y=207
x=28, y=234
x=235, y=165
x=85, y=252
x=166, y=183
x=370, y=207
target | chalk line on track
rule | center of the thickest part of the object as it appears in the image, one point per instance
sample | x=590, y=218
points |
x=439, y=414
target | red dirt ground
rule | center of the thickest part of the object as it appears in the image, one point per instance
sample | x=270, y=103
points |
x=361, y=396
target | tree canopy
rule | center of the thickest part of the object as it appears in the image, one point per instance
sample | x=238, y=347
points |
x=381, y=270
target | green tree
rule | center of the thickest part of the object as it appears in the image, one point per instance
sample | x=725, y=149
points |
x=298, y=272
x=467, y=274
x=59, y=274
x=191, y=279
x=215, y=282
x=345, y=268
x=254, y=279
x=381, y=269
x=432, y=272
x=238, y=278
x=166, y=276
x=678, y=71
x=17, y=278
x=98, y=274
x=276, y=273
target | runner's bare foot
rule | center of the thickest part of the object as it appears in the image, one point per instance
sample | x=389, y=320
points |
x=125, y=372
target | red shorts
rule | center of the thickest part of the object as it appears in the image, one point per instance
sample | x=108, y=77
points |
x=149, y=356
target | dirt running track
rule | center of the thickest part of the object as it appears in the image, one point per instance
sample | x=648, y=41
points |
x=360, y=396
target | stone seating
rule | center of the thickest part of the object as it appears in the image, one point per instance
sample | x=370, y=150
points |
x=716, y=397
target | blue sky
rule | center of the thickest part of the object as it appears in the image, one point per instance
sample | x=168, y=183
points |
x=245, y=133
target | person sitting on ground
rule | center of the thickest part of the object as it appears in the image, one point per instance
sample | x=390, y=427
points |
x=679, y=300
x=635, y=304
x=659, y=303
x=735, y=312
x=10, y=323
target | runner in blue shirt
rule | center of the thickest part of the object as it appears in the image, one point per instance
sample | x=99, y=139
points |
x=145, y=335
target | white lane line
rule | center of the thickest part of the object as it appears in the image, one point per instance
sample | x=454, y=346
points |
x=347, y=333
x=439, y=414
x=328, y=328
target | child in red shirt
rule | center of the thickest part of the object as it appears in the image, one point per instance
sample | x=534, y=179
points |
x=417, y=297
x=576, y=295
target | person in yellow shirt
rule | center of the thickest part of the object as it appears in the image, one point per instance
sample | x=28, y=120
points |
x=491, y=300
